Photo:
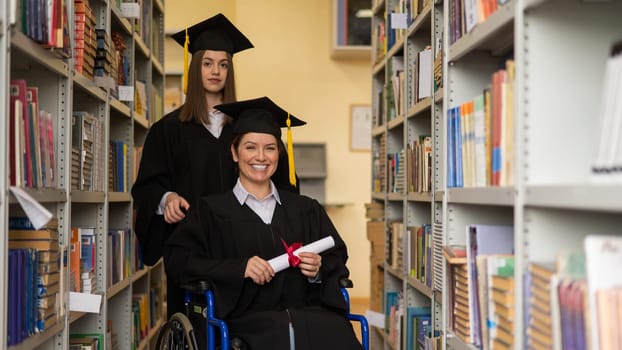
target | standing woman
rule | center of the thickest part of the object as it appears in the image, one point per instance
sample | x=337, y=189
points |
x=187, y=154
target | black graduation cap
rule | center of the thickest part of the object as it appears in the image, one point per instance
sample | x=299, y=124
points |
x=263, y=116
x=258, y=115
x=216, y=33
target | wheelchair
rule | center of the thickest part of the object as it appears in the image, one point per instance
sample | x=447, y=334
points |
x=179, y=334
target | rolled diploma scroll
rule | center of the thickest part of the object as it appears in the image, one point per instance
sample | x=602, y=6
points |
x=281, y=262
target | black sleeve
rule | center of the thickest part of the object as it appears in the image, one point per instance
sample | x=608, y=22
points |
x=152, y=181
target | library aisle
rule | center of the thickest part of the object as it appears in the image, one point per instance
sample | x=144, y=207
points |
x=495, y=197
x=83, y=80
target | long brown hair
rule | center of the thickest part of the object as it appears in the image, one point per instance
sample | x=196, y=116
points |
x=195, y=107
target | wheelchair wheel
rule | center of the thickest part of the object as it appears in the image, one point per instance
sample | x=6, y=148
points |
x=177, y=334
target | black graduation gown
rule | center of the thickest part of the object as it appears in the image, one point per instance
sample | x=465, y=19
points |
x=214, y=244
x=184, y=158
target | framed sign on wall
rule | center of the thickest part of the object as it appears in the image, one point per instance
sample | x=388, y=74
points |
x=360, y=127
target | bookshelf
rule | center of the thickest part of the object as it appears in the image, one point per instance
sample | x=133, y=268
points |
x=84, y=96
x=545, y=188
x=406, y=143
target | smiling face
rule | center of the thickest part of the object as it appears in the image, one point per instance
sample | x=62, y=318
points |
x=214, y=70
x=257, y=155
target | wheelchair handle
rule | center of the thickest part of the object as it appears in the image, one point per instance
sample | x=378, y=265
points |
x=346, y=283
x=197, y=287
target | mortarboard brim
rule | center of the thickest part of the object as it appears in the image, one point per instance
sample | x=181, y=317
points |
x=258, y=115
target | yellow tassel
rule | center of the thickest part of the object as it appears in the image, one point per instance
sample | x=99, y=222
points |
x=290, y=153
x=186, y=43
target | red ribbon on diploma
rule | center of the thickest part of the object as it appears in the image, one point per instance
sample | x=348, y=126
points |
x=291, y=258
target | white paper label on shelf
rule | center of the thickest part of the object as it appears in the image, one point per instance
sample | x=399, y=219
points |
x=85, y=302
x=399, y=21
x=37, y=214
x=130, y=10
x=126, y=93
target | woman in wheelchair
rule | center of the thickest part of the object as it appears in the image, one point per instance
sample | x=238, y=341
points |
x=227, y=239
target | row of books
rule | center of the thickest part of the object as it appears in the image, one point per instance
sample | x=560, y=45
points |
x=419, y=73
x=46, y=23
x=83, y=259
x=378, y=41
x=106, y=56
x=479, y=134
x=121, y=261
x=573, y=302
x=35, y=282
x=410, y=249
x=119, y=253
x=32, y=147
x=147, y=106
x=379, y=162
x=97, y=54
x=396, y=165
x=396, y=87
x=85, y=41
x=390, y=31
x=87, y=152
x=145, y=313
x=418, y=328
x=464, y=15
x=479, y=299
x=419, y=164
x=118, y=153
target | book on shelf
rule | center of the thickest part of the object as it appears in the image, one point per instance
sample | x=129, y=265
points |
x=419, y=259
x=17, y=102
x=603, y=254
x=418, y=320
x=455, y=254
x=608, y=155
x=495, y=267
x=483, y=240
x=424, y=74
x=540, y=295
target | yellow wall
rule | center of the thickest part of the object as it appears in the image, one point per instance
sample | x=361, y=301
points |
x=291, y=64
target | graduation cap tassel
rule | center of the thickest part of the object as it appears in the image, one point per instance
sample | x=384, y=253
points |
x=186, y=43
x=290, y=153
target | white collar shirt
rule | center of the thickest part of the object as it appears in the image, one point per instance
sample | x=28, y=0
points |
x=264, y=208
